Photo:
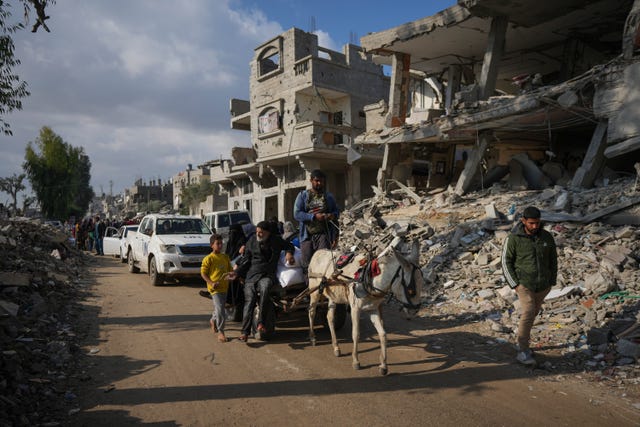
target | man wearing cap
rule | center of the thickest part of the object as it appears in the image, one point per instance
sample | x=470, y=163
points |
x=261, y=252
x=530, y=265
x=316, y=209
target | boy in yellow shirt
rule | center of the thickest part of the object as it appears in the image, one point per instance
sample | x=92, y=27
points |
x=216, y=270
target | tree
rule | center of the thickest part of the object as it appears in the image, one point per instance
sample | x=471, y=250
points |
x=12, y=89
x=194, y=194
x=12, y=186
x=59, y=175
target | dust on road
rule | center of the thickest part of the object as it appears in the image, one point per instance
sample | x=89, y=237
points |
x=156, y=362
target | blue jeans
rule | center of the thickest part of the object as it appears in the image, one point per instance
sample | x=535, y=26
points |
x=99, y=250
x=219, y=315
x=251, y=290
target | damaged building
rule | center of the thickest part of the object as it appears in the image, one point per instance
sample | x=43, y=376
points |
x=306, y=107
x=534, y=93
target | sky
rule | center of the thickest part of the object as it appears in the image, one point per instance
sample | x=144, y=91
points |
x=144, y=85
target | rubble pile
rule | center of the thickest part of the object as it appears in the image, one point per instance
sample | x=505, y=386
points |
x=39, y=290
x=592, y=315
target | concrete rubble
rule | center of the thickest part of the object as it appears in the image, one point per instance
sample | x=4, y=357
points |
x=40, y=289
x=591, y=319
x=592, y=316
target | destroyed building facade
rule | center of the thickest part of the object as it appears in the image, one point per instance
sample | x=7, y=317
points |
x=542, y=91
x=306, y=107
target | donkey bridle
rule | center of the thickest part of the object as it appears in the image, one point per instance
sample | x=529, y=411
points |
x=409, y=289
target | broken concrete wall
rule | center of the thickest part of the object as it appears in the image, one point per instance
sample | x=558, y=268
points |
x=618, y=99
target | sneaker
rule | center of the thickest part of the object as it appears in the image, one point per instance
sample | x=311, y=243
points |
x=526, y=358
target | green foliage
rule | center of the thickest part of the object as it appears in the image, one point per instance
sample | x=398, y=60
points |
x=59, y=175
x=194, y=194
x=13, y=185
x=150, y=206
x=12, y=89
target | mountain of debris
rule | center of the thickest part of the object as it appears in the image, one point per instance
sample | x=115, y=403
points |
x=40, y=288
x=592, y=315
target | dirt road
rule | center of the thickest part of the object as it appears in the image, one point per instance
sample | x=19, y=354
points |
x=156, y=362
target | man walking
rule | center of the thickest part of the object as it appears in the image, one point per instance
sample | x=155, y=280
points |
x=530, y=265
x=315, y=209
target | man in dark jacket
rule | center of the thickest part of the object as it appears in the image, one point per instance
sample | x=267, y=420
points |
x=261, y=253
x=530, y=265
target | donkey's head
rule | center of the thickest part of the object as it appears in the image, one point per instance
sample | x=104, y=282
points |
x=403, y=276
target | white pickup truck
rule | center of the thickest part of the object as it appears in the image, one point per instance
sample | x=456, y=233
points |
x=116, y=241
x=169, y=246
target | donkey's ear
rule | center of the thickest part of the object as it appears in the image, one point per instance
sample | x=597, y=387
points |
x=414, y=258
x=404, y=261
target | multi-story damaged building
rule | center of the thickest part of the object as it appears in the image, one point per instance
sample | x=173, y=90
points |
x=185, y=178
x=145, y=192
x=306, y=107
x=541, y=91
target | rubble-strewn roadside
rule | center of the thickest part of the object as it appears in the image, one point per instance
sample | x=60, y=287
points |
x=592, y=317
x=590, y=322
x=41, y=280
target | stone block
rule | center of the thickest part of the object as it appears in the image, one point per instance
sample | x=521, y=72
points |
x=486, y=294
x=507, y=294
x=491, y=211
x=625, y=233
x=482, y=259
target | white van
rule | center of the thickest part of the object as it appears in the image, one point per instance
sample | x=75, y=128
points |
x=220, y=221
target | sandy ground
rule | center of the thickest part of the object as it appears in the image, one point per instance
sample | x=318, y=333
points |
x=156, y=362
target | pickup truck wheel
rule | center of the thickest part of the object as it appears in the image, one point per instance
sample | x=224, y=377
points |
x=131, y=263
x=155, y=277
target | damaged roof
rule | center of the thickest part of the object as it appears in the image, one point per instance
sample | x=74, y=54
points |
x=536, y=34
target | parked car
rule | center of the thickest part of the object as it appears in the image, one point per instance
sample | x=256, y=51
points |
x=169, y=247
x=220, y=221
x=116, y=241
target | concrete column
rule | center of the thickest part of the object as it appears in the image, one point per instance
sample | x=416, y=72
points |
x=453, y=85
x=391, y=157
x=492, y=56
x=353, y=186
x=399, y=90
x=308, y=164
x=471, y=166
x=281, y=195
x=594, y=159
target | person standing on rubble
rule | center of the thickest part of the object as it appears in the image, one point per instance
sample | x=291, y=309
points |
x=530, y=266
x=315, y=209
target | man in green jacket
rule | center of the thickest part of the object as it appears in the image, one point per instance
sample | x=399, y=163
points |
x=530, y=265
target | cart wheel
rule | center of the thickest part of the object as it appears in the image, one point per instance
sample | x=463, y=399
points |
x=234, y=312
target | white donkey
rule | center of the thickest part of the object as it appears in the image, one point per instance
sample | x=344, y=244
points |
x=393, y=274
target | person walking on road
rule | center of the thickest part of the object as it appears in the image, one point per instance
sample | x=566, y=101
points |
x=216, y=272
x=530, y=266
x=315, y=209
x=100, y=229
